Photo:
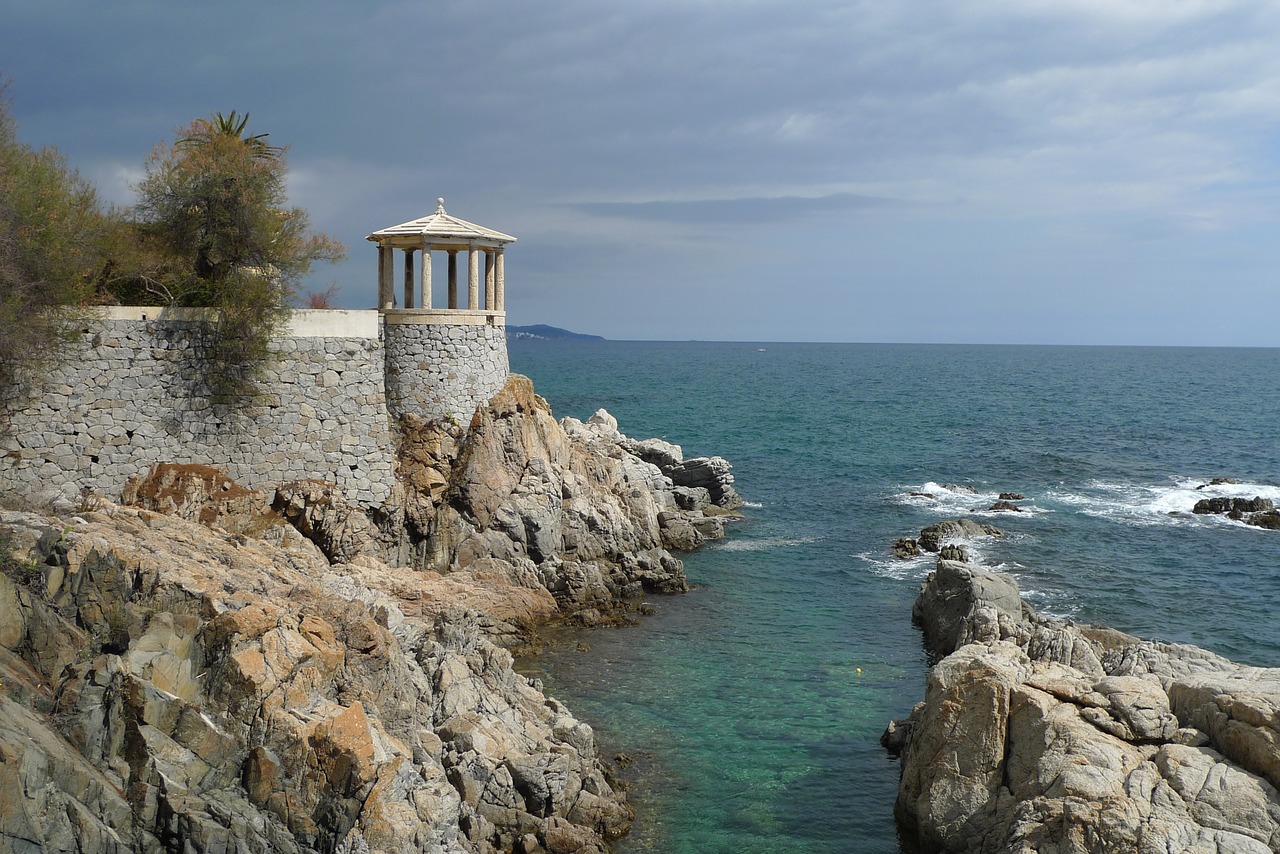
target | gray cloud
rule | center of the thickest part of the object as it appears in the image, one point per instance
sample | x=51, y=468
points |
x=923, y=146
x=760, y=209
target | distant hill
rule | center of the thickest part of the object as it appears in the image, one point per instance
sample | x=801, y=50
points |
x=542, y=332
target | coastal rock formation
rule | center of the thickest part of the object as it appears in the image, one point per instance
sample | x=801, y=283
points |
x=1233, y=505
x=1257, y=511
x=573, y=508
x=933, y=536
x=223, y=669
x=165, y=683
x=1039, y=735
x=1004, y=507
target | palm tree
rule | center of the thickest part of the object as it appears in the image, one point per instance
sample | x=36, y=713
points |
x=233, y=125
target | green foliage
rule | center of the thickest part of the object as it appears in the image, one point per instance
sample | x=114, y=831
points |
x=233, y=126
x=211, y=213
x=211, y=228
x=54, y=250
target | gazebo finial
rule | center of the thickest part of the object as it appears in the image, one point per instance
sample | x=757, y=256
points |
x=440, y=205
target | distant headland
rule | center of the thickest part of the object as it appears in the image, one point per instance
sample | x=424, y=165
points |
x=541, y=331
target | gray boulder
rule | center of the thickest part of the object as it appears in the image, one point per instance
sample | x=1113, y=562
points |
x=960, y=602
x=1039, y=735
x=713, y=474
x=933, y=536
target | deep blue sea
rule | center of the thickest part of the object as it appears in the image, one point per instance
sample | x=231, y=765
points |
x=753, y=705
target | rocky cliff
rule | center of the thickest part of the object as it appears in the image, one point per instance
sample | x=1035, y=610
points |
x=1037, y=734
x=217, y=669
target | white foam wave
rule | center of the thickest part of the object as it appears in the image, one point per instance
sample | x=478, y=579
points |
x=755, y=505
x=763, y=544
x=1157, y=504
x=900, y=569
x=960, y=500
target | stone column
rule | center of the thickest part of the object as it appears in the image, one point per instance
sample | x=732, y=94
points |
x=408, y=278
x=488, y=280
x=426, y=276
x=473, y=278
x=499, y=286
x=453, y=278
x=386, y=270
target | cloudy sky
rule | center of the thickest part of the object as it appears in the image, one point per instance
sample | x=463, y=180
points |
x=1004, y=171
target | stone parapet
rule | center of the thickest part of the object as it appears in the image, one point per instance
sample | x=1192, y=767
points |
x=128, y=397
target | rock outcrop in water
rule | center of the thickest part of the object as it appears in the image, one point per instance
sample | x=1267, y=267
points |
x=941, y=535
x=1040, y=735
x=221, y=669
x=1256, y=511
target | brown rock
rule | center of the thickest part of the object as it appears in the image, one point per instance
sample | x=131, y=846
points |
x=344, y=748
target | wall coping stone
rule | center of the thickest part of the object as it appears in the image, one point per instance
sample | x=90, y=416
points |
x=303, y=322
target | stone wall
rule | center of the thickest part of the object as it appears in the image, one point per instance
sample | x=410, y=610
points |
x=437, y=370
x=129, y=397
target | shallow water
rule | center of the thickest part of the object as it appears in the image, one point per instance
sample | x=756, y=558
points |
x=754, y=704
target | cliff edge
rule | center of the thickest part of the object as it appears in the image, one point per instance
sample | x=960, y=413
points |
x=1037, y=734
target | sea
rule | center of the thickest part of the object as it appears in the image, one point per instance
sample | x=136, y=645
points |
x=748, y=712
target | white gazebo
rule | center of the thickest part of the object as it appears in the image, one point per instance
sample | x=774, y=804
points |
x=441, y=232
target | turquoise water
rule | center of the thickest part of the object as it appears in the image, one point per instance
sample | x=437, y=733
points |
x=753, y=705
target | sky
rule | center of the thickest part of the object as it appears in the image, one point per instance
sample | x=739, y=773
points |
x=949, y=171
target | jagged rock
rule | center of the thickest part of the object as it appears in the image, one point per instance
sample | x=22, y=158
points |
x=897, y=735
x=710, y=527
x=932, y=536
x=1256, y=504
x=320, y=512
x=961, y=602
x=960, y=487
x=677, y=531
x=1038, y=735
x=562, y=494
x=298, y=675
x=1005, y=507
x=1269, y=520
x=1218, y=481
x=691, y=498
x=262, y=701
x=662, y=454
x=955, y=551
x=905, y=547
x=710, y=473
x=1012, y=496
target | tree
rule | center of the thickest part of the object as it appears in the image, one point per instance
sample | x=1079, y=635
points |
x=212, y=210
x=55, y=244
x=233, y=126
